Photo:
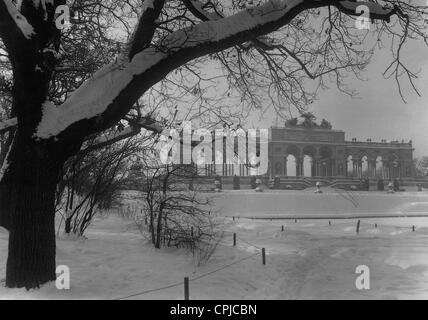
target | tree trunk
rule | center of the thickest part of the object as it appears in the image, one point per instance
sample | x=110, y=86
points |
x=67, y=228
x=159, y=230
x=27, y=205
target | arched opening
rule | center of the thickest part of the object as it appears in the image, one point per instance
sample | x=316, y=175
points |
x=307, y=166
x=379, y=167
x=293, y=154
x=291, y=165
x=349, y=166
x=364, y=166
x=309, y=161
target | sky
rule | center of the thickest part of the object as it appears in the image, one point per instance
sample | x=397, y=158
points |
x=378, y=111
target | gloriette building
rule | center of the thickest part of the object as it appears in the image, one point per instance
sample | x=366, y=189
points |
x=315, y=152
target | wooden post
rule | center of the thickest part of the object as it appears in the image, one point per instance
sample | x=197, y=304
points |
x=234, y=239
x=264, y=256
x=233, y=218
x=282, y=228
x=413, y=228
x=329, y=223
x=375, y=225
x=358, y=226
x=186, y=288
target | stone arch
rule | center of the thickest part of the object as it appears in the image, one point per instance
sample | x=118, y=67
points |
x=293, y=150
x=309, y=153
x=308, y=166
x=291, y=165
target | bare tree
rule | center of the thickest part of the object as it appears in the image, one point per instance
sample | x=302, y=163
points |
x=421, y=166
x=175, y=213
x=270, y=47
x=92, y=182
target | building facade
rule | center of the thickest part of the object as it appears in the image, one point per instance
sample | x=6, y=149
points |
x=301, y=152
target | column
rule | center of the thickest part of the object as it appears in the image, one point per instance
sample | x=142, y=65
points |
x=333, y=167
x=371, y=167
x=345, y=167
x=317, y=166
x=313, y=167
x=299, y=166
x=354, y=168
x=285, y=166
x=385, y=167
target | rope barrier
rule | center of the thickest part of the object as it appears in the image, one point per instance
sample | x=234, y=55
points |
x=253, y=245
x=239, y=238
x=149, y=291
x=224, y=267
x=193, y=279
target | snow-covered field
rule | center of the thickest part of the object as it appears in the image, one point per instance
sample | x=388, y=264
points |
x=309, y=260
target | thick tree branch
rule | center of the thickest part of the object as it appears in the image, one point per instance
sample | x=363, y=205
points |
x=107, y=97
x=146, y=26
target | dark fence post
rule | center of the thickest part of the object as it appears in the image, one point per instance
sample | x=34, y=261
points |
x=264, y=256
x=282, y=228
x=358, y=226
x=234, y=239
x=186, y=288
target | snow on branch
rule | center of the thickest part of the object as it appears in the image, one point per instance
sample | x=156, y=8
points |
x=116, y=87
x=134, y=129
x=20, y=21
x=146, y=26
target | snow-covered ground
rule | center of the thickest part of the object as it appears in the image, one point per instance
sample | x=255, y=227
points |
x=310, y=259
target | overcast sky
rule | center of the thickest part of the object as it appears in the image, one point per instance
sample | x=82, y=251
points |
x=378, y=112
